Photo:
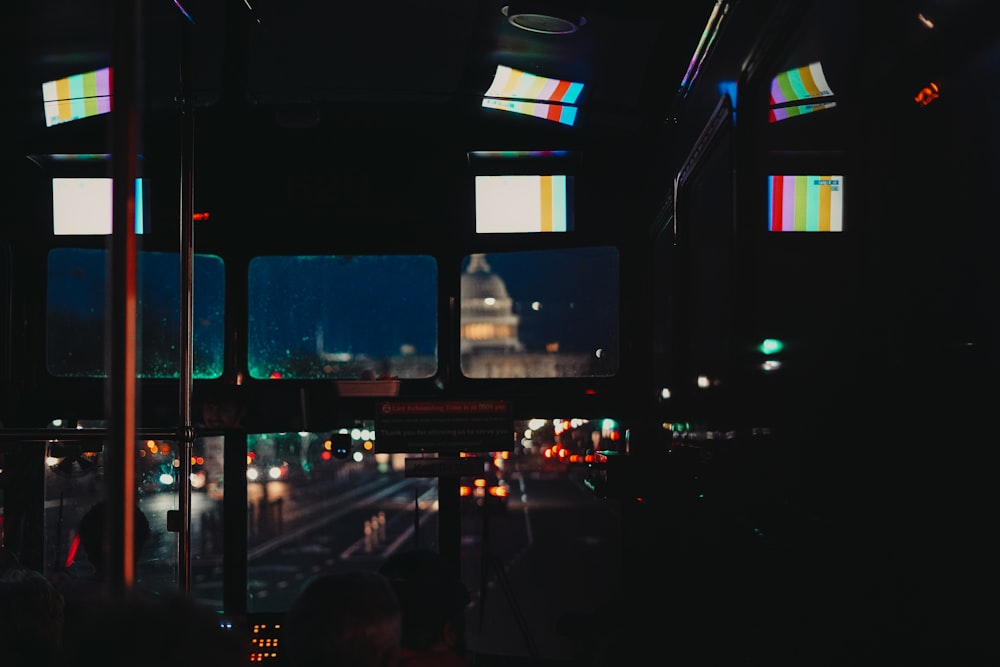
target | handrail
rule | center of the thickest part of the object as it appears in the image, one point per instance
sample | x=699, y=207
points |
x=71, y=434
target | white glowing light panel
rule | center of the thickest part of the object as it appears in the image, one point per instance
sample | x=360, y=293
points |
x=522, y=203
x=84, y=206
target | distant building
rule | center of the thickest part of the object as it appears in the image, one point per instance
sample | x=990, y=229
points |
x=489, y=323
x=490, y=342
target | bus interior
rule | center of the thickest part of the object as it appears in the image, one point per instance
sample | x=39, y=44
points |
x=671, y=326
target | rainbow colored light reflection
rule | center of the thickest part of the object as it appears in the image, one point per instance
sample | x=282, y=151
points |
x=77, y=96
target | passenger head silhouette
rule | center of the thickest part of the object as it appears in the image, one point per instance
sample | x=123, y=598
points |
x=91, y=531
x=348, y=619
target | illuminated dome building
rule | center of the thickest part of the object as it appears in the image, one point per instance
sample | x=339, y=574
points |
x=490, y=343
x=488, y=320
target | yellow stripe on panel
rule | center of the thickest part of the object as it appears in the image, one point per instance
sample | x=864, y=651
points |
x=63, y=97
x=824, y=205
x=513, y=81
x=545, y=187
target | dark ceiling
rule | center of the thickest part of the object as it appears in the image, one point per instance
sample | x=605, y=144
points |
x=304, y=58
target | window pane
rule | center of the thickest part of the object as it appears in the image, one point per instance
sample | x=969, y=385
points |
x=343, y=317
x=77, y=307
x=325, y=502
x=544, y=313
x=75, y=482
x=538, y=547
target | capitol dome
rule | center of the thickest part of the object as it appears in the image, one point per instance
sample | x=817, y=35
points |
x=487, y=318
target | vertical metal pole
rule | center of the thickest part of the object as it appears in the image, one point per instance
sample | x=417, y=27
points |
x=416, y=517
x=123, y=292
x=235, y=526
x=187, y=313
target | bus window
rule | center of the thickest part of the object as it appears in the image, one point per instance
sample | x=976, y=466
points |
x=74, y=480
x=543, y=313
x=76, y=310
x=341, y=317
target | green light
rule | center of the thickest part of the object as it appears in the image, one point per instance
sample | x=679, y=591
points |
x=771, y=346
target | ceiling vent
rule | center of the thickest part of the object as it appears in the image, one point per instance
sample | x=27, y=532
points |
x=544, y=17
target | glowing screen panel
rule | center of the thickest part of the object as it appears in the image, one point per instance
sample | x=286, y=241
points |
x=523, y=203
x=781, y=113
x=84, y=206
x=565, y=115
x=517, y=84
x=77, y=96
x=793, y=92
x=800, y=203
x=521, y=92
